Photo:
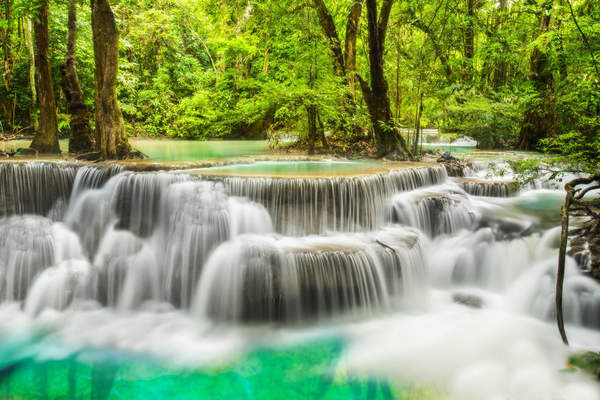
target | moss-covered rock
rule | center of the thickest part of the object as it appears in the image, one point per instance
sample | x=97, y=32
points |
x=588, y=361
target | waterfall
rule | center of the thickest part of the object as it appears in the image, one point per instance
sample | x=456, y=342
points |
x=407, y=267
x=60, y=286
x=267, y=249
x=300, y=206
x=488, y=188
x=534, y=293
x=289, y=279
x=34, y=188
x=196, y=218
x=28, y=246
x=436, y=210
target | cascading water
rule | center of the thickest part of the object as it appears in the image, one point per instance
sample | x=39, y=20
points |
x=262, y=278
x=488, y=188
x=158, y=262
x=435, y=210
x=301, y=206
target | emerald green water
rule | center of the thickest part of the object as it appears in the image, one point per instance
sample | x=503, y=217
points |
x=297, y=167
x=448, y=148
x=175, y=150
x=193, y=150
x=310, y=371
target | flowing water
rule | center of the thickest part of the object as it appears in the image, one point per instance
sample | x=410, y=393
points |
x=401, y=284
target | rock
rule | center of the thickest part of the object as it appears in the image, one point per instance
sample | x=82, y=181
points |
x=468, y=300
x=26, y=151
x=588, y=361
x=454, y=166
x=506, y=229
x=584, y=247
x=446, y=157
x=137, y=155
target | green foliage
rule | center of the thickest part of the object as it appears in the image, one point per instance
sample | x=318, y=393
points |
x=587, y=361
x=238, y=68
x=492, y=120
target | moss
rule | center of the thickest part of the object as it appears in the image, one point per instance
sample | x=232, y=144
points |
x=588, y=361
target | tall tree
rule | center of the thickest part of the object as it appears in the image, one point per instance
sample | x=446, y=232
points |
x=539, y=120
x=80, y=140
x=470, y=39
x=8, y=61
x=388, y=140
x=344, y=59
x=46, y=138
x=111, y=141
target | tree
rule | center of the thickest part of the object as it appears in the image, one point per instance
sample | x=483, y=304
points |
x=111, y=141
x=344, y=60
x=388, y=140
x=80, y=139
x=46, y=138
x=540, y=117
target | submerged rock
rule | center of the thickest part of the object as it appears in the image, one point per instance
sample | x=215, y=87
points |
x=468, y=300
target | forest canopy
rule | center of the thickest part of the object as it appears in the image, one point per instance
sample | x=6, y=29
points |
x=512, y=74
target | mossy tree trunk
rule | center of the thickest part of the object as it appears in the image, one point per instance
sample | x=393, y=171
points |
x=46, y=138
x=583, y=207
x=388, y=140
x=80, y=139
x=111, y=142
x=344, y=59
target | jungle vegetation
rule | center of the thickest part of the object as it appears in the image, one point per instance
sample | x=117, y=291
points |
x=520, y=74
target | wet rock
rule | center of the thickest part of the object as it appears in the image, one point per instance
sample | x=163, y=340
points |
x=506, y=229
x=584, y=247
x=589, y=362
x=26, y=151
x=468, y=300
x=454, y=166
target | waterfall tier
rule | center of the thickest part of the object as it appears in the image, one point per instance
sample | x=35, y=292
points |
x=436, y=210
x=300, y=206
x=488, y=188
x=262, y=278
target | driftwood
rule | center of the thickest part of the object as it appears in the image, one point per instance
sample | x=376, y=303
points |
x=575, y=203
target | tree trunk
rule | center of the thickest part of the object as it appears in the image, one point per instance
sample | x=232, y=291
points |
x=540, y=118
x=418, y=116
x=321, y=132
x=46, y=138
x=311, y=113
x=352, y=26
x=80, y=140
x=344, y=62
x=387, y=138
x=7, y=51
x=587, y=210
x=335, y=46
x=29, y=41
x=470, y=40
x=110, y=131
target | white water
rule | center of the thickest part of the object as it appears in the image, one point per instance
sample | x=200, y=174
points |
x=176, y=267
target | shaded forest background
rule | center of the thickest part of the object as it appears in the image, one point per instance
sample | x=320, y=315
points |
x=511, y=74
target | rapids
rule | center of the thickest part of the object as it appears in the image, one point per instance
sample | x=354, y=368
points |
x=440, y=281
